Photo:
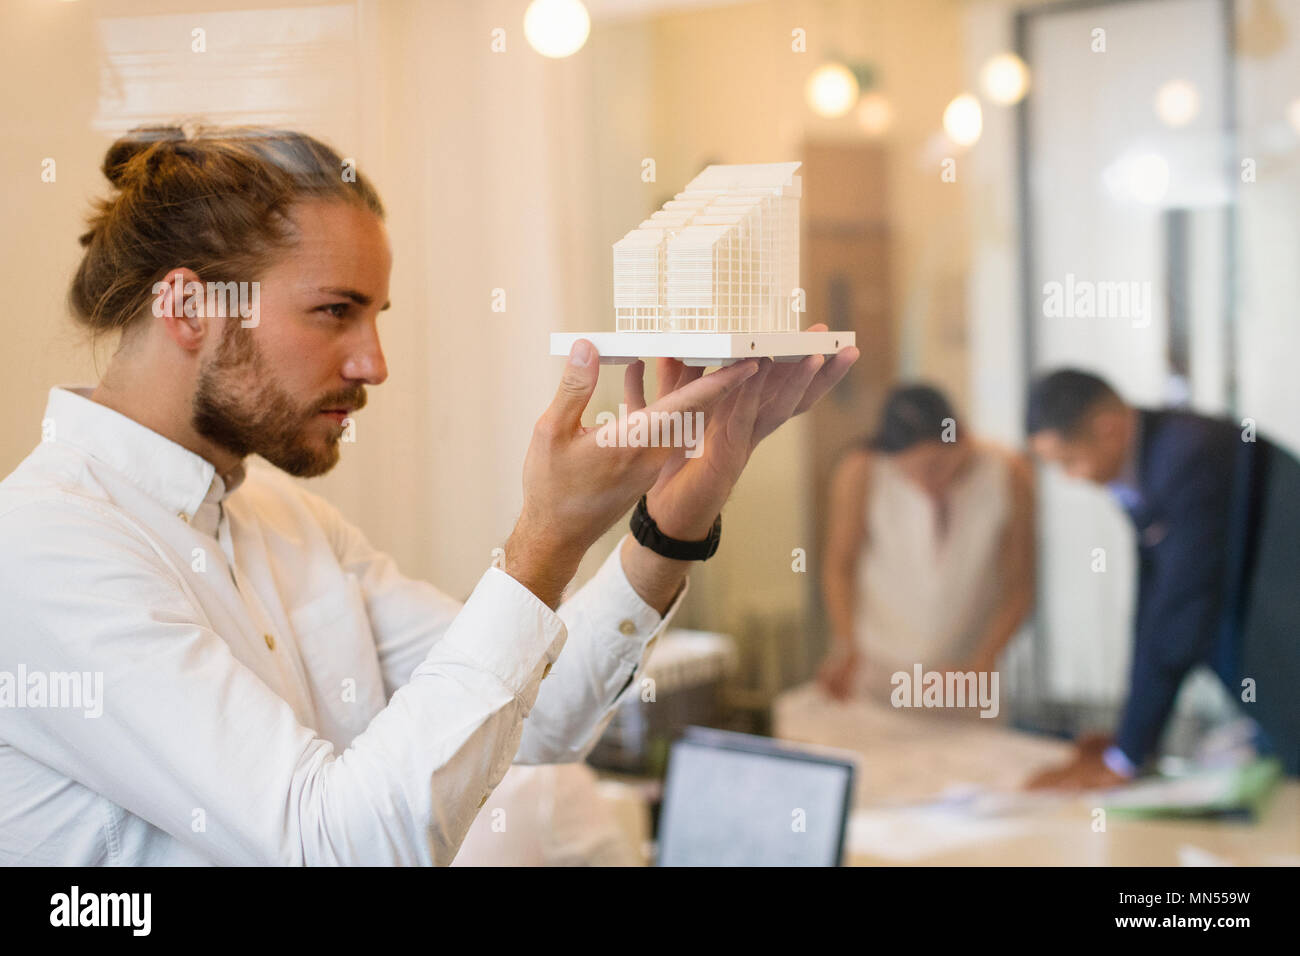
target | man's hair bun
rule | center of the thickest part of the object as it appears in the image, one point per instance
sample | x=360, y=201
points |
x=122, y=162
x=213, y=199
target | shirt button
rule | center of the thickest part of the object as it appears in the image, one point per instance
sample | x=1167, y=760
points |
x=627, y=627
x=547, y=670
x=270, y=641
x=183, y=516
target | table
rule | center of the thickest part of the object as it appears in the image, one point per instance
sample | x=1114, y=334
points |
x=934, y=789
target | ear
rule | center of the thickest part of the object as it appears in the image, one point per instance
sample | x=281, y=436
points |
x=180, y=304
x=1106, y=424
x=1042, y=444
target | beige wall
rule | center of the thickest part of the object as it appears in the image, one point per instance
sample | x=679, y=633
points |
x=468, y=149
x=499, y=170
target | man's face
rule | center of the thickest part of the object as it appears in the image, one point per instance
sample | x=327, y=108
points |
x=263, y=390
x=1096, y=453
x=932, y=465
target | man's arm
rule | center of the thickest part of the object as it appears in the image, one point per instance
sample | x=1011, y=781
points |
x=657, y=580
x=611, y=624
x=611, y=628
x=1181, y=595
x=185, y=726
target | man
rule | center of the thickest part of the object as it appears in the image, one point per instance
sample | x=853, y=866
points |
x=267, y=687
x=1191, y=486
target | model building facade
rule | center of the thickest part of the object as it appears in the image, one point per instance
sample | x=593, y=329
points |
x=721, y=256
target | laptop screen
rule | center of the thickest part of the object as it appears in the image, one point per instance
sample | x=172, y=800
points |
x=738, y=800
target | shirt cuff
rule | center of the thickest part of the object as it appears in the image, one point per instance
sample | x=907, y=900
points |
x=506, y=630
x=622, y=613
x=1118, y=762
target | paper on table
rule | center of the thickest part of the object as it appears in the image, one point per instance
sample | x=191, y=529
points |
x=909, y=756
x=911, y=834
x=1198, y=794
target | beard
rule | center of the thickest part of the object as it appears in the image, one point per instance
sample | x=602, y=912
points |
x=240, y=406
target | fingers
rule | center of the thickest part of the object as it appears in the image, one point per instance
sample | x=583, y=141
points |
x=740, y=424
x=688, y=374
x=668, y=370
x=1045, y=780
x=827, y=378
x=634, y=386
x=1054, y=778
x=581, y=373
x=786, y=386
x=705, y=391
x=719, y=426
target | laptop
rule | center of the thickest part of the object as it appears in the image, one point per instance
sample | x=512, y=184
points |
x=734, y=799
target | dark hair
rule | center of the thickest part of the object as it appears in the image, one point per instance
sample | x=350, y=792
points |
x=215, y=201
x=1061, y=401
x=912, y=414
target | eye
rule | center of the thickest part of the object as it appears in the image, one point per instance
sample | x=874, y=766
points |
x=337, y=309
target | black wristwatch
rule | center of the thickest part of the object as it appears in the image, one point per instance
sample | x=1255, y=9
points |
x=647, y=533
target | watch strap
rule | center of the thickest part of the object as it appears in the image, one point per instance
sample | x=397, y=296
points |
x=647, y=533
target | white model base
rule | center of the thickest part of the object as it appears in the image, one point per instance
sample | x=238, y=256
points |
x=703, y=348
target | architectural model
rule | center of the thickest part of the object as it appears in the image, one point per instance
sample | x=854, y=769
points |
x=713, y=276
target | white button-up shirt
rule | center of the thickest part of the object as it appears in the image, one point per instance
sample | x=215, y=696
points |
x=194, y=673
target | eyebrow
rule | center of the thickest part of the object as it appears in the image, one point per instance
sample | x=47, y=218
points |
x=360, y=298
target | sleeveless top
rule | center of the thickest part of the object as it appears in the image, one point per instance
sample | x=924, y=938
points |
x=922, y=599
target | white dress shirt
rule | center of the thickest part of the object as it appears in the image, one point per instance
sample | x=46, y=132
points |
x=274, y=690
x=553, y=815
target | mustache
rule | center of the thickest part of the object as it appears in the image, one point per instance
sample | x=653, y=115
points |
x=353, y=400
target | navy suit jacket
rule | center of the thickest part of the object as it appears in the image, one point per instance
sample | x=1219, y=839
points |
x=1199, y=523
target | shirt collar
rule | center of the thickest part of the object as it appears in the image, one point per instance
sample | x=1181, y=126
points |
x=174, y=476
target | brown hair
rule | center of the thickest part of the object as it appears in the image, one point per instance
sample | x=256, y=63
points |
x=215, y=201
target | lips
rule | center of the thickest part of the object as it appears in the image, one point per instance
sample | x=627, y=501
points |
x=342, y=412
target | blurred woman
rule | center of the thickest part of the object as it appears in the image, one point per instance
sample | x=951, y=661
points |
x=929, y=556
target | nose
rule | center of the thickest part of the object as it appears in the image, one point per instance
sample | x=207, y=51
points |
x=365, y=360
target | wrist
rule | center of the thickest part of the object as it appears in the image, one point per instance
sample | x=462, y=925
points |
x=656, y=579
x=541, y=562
x=678, y=526
x=648, y=533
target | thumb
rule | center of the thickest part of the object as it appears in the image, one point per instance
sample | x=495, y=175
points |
x=581, y=373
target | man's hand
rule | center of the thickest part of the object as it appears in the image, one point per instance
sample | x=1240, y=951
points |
x=690, y=492
x=574, y=489
x=1086, y=771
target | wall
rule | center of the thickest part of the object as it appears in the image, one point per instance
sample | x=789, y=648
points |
x=499, y=171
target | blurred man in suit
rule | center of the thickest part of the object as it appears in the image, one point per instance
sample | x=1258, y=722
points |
x=1190, y=485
